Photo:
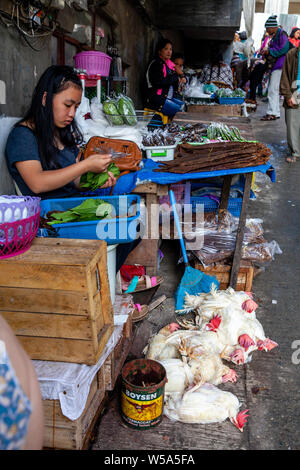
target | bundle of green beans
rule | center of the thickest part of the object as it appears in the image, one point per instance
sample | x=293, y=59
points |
x=221, y=131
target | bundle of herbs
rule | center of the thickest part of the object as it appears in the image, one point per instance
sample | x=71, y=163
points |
x=89, y=209
x=94, y=181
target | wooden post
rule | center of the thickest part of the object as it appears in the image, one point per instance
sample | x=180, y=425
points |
x=240, y=232
x=225, y=192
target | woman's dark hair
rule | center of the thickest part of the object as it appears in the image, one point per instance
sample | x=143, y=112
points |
x=161, y=44
x=243, y=36
x=54, y=80
x=177, y=55
x=292, y=35
x=216, y=58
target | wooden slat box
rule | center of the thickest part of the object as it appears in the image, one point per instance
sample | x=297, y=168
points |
x=62, y=433
x=115, y=361
x=56, y=298
x=222, y=273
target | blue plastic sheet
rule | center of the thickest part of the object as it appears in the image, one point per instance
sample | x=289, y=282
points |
x=127, y=183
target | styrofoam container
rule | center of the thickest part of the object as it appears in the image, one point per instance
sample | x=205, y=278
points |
x=111, y=268
x=161, y=154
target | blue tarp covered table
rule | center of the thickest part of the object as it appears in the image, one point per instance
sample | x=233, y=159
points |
x=127, y=183
x=132, y=181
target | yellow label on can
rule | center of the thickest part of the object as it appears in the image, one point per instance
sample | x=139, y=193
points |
x=137, y=410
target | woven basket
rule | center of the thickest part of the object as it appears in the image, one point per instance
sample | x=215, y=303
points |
x=16, y=235
x=93, y=62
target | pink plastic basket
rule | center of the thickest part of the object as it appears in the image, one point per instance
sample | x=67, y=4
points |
x=16, y=237
x=93, y=62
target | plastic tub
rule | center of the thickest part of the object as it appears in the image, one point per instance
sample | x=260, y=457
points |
x=231, y=100
x=93, y=62
x=210, y=205
x=161, y=154
x=115, y=230
x=111, y=268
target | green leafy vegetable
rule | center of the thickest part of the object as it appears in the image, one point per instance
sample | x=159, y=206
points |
x=110, y=108
x=126, y=108
x=89, y=209
x=94, y=181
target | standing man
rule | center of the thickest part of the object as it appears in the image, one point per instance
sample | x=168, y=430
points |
x=275, y=56
x=290, y=89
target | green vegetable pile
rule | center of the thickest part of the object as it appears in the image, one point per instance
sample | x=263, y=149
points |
x=120, y=111
x=94, y=181
x=221, y=131
x=228, y=93
x=90, y=209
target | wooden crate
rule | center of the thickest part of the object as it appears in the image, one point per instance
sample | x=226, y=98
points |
x=114, y=362
x=222, y=273
x=62, y=433
x=56, y=298
x=216, y=110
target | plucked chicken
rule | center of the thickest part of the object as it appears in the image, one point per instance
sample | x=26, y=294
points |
x=179, y=375
x=207, y=404
x=157, y=348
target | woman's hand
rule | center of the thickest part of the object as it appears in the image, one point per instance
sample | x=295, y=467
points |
x=291, y=102
x=98, y=163
x=178, y=69
x=110, y=182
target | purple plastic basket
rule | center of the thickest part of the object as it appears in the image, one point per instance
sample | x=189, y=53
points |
x=93, y=62
x=19, y=223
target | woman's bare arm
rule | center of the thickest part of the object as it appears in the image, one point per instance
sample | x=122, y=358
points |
x=40, y=181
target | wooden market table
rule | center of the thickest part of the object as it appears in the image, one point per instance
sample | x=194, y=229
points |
x=146, y=252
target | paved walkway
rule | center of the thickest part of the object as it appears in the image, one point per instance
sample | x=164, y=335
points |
x=270, y=385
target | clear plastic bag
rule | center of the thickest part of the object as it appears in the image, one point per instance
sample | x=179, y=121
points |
x=261, y=252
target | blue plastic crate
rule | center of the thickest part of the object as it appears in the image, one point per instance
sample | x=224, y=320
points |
x=234, y=204
x=113, y=231
x=231, y=100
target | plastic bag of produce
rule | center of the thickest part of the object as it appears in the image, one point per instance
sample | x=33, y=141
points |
x=126, y=109
x=111, y=110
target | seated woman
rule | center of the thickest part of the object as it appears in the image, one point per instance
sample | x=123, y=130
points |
x=216, y=70
x=42, y=151
x=163, y=78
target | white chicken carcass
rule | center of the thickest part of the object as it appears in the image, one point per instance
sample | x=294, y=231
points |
x=209, y=368
x=179, y=375
x=211, y=304
x=157, y=348
x=236, y=328
x=206, y=405
x=197, y=342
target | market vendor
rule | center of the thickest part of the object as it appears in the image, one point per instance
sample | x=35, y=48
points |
x=42, y=150
x=163, y=79
x=216, y=70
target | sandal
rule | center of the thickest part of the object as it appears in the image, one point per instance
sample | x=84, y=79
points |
x=140, y=312
x=142, y=283
x=269, y=117
x=291, y=159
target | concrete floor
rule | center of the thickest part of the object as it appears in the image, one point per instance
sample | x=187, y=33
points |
x=269, y=385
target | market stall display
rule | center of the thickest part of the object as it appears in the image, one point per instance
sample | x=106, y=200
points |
x=224, y=327
x=216, y=156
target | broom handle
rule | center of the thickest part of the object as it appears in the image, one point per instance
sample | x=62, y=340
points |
x=177, y=223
